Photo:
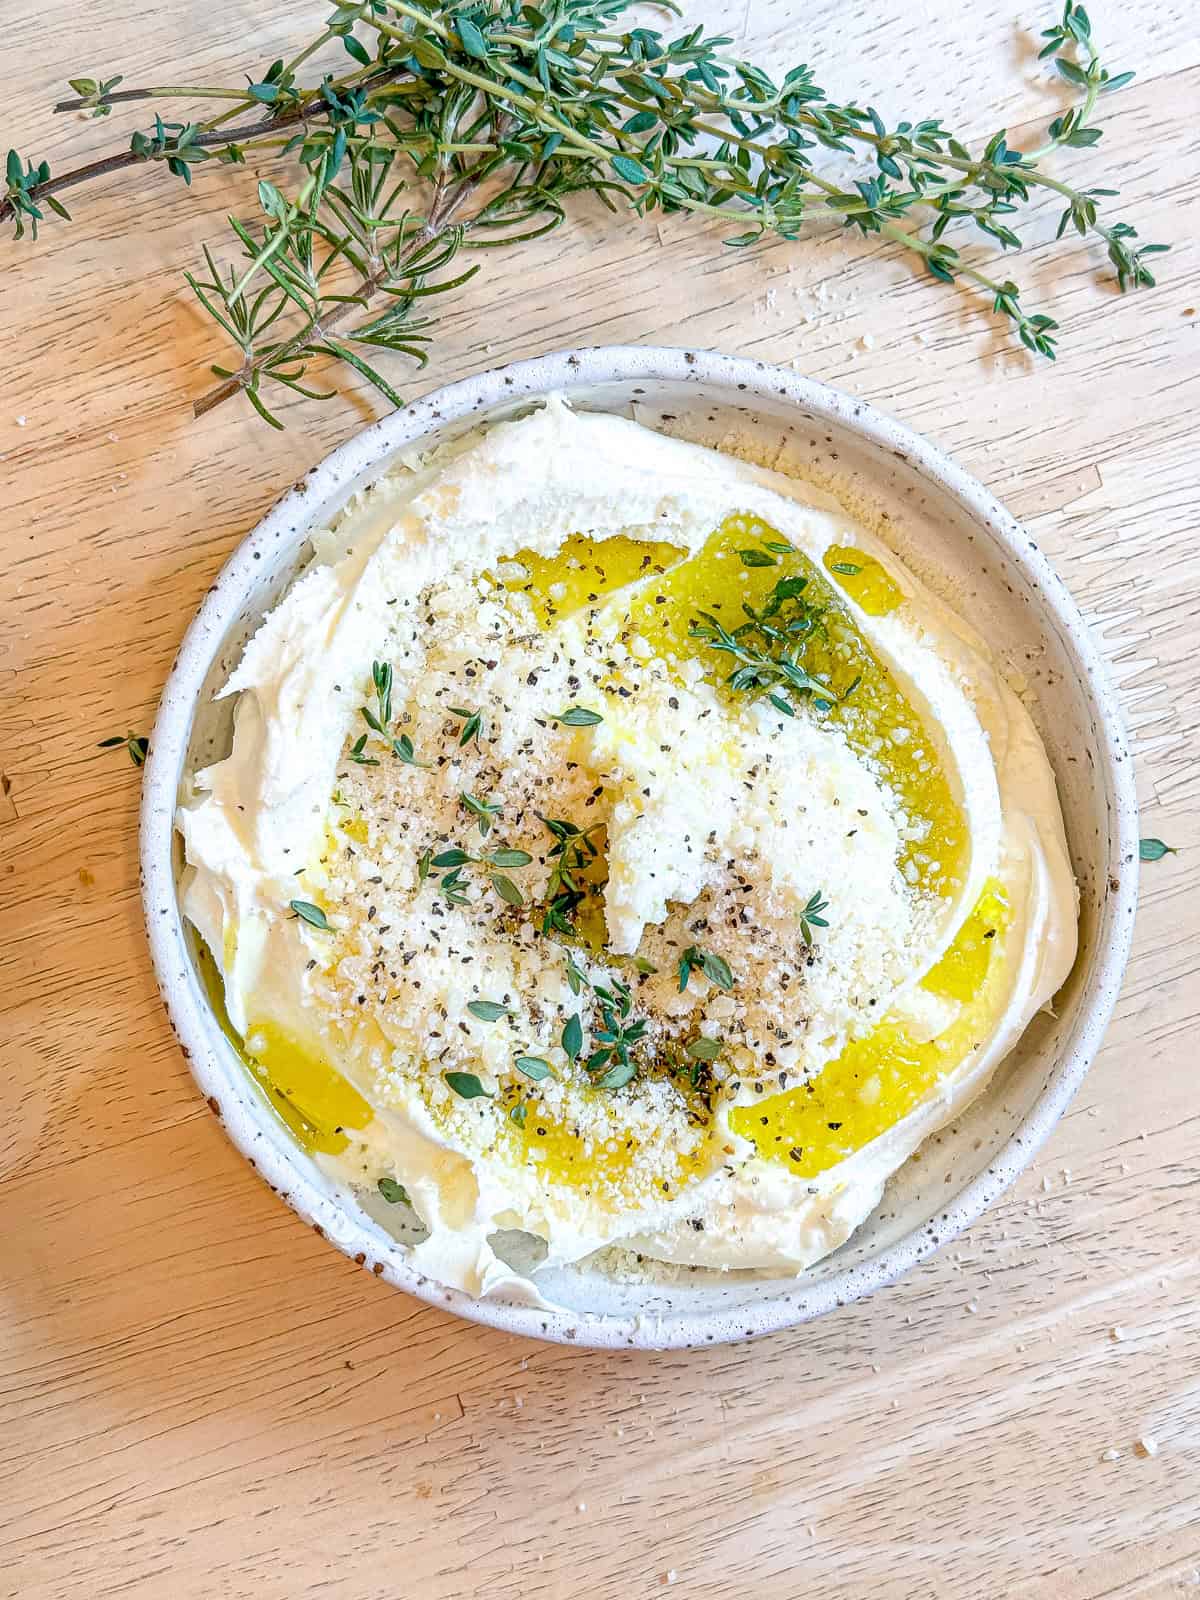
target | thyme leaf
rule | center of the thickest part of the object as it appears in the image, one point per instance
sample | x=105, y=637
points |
x=472, y=723
x=1154, y=850
x=313, y=915
x=487, y=1010
x=485, y=811
x=714, y=967
x=704, y=1049
x=812, y=916
x=578, y=717
x=467, y=1086
x=137, y=745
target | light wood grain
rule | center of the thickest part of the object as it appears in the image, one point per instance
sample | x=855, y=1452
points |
x=200, y=1398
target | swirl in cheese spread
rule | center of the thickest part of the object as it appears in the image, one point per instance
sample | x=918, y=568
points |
x=670, y=862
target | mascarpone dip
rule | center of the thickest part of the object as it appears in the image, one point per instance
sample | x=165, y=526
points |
x=620, y=847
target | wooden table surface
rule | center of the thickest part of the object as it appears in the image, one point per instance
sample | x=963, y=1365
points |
x=200, y=1397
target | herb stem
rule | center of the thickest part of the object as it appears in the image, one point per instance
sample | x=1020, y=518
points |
x=183, y=92
x=439, y=218
x=525, y=107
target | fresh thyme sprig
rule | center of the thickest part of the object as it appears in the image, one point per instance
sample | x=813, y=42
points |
x=493, y=863
x=573, y=851
x=485, y=812
x=378, y=718
x=714, y=967
x=381, y=677
x=768, y=647
x=813, y=916
x=471, y=123
x=615, y=1041
x=137, y=745
x=472, y=723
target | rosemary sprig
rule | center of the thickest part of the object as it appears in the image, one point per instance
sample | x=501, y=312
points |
x=471, y=124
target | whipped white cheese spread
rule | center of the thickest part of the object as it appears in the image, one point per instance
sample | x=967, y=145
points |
x=618, y=844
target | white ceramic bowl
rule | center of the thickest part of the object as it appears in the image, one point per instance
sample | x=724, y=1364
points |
x=953, y=533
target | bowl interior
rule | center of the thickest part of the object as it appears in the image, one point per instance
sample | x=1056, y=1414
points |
x=968, y=550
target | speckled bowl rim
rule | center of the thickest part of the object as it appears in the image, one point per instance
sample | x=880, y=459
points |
x=197, y=1029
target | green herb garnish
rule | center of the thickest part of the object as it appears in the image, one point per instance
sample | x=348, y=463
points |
x=379, y=718
x=1154, y=850
x=453, y=890
x=381, y=677
x=812, y=917
x=572, y=852
x=456, y=858
x=488, y=1010
x=518, y=1113
x=757, y=558
x=356, y=753
x=704, y=1049
x=572, y=1037
x=403, y=747
x=506, y=889
x=394, y=1193
x=618, y=1075
x=533, y=1067
x=578, y=717
x=848, y=569
x=467, y=1085
x=768, y=647
x=313, y=915
x=715, y=968
x=473, y=721
x=485, y=811
x=616, y=1039
x=136, y=743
